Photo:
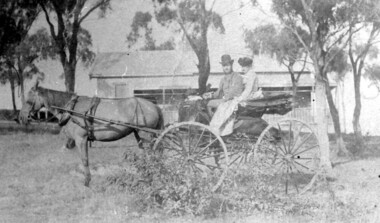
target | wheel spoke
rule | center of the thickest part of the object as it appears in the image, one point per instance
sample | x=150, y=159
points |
x=302, y=165
x=280, y=167
x=303, y=142
x=303, y=158
x=296, y=139
x=282, y=139
x=203, y=150
x=287, y=179
x=211, y=167
x=172, y=145
x=233, y=161
x=312, y=147
x=275, y=152
x=290, y=137
x=199, y=139
x=279, y=147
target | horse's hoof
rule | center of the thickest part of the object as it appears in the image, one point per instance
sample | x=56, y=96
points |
x=87, y=182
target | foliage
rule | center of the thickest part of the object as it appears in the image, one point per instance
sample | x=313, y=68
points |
x=372, y=72
x=159, y=185
x=188, y=17
x=246, y=188
x=72, y=42
x=19, y=61
x=339, y=63
x=365, y=17
x=16, y=18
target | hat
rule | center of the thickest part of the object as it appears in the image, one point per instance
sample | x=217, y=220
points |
x=245, y=61
x=226, y=59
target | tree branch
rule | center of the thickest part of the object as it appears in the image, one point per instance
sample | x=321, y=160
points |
x=92, y=9
x=51, y=26
x=188, y=37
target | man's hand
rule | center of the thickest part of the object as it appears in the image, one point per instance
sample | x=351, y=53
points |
x=207, y=95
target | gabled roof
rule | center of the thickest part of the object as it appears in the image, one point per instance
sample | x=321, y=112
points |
x=142, y=63
x=168, y=63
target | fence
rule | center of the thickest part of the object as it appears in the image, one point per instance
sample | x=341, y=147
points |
x=303, y=114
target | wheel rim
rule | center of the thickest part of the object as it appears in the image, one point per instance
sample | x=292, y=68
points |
x=195, y=150
x=292, y=154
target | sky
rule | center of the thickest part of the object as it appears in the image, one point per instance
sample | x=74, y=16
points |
x=109, y=34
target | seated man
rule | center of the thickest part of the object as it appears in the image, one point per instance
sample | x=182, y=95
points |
x=230, y=86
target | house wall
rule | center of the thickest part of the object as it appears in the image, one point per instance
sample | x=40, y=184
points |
x=107, y=86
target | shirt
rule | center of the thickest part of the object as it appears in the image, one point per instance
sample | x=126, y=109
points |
x=230, y=86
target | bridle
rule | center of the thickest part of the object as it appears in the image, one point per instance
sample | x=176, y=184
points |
x=32, y=108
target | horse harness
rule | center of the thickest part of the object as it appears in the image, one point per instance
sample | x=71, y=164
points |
x=88, y=120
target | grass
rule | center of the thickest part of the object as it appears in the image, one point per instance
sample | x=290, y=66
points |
x=40, y=182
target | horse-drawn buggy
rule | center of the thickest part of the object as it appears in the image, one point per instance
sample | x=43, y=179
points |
x=288, y=148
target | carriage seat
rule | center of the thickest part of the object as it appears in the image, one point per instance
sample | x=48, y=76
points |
x=271, y=103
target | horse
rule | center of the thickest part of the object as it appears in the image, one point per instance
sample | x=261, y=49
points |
x=135, y=113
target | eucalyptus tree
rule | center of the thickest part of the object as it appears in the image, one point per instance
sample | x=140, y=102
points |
x=71, y=40
x=325, y=22
x=364, y=15
x=191, y=18
x=284, y=45
x=16, y=16
x=16, y=19
x=19, y=62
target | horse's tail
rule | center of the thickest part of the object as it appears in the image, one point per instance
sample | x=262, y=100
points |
x=160, y=123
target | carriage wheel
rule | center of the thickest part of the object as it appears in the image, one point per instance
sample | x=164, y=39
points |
x=195, y=150
x=290, y=152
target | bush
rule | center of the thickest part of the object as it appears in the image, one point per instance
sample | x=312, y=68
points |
x=159, y=185
x=163, y=186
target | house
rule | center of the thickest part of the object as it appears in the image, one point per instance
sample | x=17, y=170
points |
x=164, y=76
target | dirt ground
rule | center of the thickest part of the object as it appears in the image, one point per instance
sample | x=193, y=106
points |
x=41, y=182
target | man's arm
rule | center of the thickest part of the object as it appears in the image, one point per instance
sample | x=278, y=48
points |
x=218, y=93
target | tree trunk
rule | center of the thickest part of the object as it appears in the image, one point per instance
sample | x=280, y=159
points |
x=12, y=83
x=22, y=88
x=358, y=106
x=322, y=125
x=343, y=107
x=204, y=70
x=342, y=150
x=69, y=69
x=294, y=92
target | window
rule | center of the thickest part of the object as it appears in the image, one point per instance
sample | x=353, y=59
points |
x=163, y=96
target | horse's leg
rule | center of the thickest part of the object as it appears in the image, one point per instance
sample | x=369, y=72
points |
x=82, y=143
x=138, y=139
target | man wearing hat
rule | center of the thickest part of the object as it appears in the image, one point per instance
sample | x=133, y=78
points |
x=250, y=80
x=230, y=86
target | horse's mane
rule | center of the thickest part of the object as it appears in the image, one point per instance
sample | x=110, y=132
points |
x=44, y=90
x=59, y=98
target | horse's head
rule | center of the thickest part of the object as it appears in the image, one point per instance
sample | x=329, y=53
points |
x=33, y=103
